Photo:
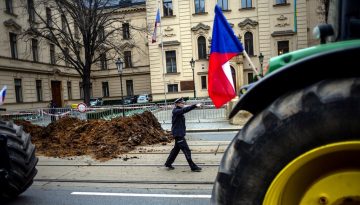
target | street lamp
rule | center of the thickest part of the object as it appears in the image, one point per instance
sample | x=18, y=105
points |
x=119, y=66
x=192, y=64
x=261, y=60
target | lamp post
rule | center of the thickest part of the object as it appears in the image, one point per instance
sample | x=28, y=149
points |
x=261, y=60
x=192, y=64
x=119, y=66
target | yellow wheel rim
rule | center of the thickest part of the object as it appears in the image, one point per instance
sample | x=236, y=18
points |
x=328, y=175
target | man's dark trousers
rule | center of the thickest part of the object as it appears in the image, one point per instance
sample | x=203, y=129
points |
x=180, y=144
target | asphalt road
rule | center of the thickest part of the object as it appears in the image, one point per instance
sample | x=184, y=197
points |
x=97, y=194
x=77, y=184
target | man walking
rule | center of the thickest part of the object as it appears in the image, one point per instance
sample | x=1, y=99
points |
x=178, y=130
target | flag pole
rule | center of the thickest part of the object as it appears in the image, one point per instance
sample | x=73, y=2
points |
x=162, y=57
x=251, y=64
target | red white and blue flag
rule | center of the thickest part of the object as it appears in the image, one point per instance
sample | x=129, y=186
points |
x=2, y=95
x=224, y=46
x=157, y=21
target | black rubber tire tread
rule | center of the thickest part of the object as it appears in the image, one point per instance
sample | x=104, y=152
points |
x=22, y=160
x=295, y=123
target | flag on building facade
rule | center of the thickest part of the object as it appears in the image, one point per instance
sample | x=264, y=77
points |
x=2, y=95
x=157, y=22
x=224, y=46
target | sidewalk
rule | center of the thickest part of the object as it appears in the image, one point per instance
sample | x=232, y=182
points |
x=144, y=166
x=206, y=126
x=141, y=168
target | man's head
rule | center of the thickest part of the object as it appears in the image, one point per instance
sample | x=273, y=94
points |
x=180, y=102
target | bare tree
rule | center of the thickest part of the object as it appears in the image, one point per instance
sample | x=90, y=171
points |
x=85, y=31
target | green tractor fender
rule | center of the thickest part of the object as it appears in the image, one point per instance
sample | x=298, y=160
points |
x=302, y=137
x=332, y=64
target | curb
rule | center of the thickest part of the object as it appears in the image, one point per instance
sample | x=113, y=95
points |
x=214, y=130
x=211, y=130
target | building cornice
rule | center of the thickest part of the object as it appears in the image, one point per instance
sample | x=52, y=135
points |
x=127, y=45
x=170, y=43
x=35, y=71
x=246, y=22
x=116, y=75
x=11, y=23
x=200, y=26
x=132, y=9
x=50, y=69
x=283, y=33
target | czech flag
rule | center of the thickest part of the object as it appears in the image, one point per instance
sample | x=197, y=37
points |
x=224, y=46
x=157, y=21
x=2, y=95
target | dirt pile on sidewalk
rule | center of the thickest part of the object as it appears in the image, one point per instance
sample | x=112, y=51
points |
x=100, y=139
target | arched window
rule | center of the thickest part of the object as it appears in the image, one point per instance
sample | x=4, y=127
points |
x=202, y=47
x=249, y=46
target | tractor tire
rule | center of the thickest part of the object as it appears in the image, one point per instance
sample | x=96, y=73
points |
x=18, y=161
x=300, y=140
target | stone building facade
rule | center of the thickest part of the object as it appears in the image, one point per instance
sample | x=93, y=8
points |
x=34, y=76
x=34, y=72
x=269, y=27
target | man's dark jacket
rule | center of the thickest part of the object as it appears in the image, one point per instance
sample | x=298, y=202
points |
x=178, y=128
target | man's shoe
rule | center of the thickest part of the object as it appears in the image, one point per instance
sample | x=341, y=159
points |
x=196, y=169
x=170, y=167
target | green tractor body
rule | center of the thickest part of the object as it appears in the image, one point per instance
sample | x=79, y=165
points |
x=288, y=58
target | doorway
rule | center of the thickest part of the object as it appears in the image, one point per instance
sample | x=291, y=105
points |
x=56, y=92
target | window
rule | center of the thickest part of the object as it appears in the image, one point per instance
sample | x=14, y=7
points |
x=39, y=90
x=173, y=88
x=223, y=4
x=283, y=47
x=170, y=62
x=48, y=17
x=202, y=47
x=91, y=90
x=126, y=30
x=249, y=47
x=66, y=56
x=168, y=7
x=203, y=82
x=246, y=4
x=69, y=90
x=199, y=6
x=18, y=90
x=13, y=45
x=81, y=89
x=250, y=78
x=52, y=54
x=281, y=2
x=31, y=10
x=76, y=30
x=105, y=89
x=127, y=59
x=102, y=33
x=103, y=61
x=35, y=49
x=129, y=88
x=63, y=23
x=9, y=6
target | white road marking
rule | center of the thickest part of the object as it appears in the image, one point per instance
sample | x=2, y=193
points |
x=141, y=195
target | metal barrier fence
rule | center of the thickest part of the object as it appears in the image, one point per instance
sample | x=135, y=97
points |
x=162, y=111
